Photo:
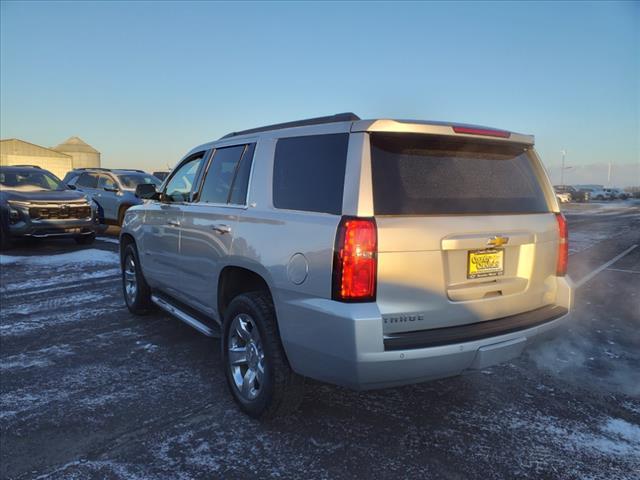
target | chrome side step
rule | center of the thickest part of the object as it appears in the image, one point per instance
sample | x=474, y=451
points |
x=185, y=317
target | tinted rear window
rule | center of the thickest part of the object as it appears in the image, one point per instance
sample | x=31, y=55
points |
x=308, y=173
x=417, y=174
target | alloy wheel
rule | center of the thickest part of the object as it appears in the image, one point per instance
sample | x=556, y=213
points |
x=129, y=279
x=245, y=356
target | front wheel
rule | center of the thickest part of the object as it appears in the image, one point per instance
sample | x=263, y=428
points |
x=137, y=293
x=258, y=373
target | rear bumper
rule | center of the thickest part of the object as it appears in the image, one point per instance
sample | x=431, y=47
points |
x=475, y=331
x=344, y=344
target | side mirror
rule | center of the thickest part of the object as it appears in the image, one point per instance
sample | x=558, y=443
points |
x=71, y=187
x=147, y=191
x=110, y=189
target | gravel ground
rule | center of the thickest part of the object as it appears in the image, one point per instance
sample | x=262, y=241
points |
x=89, y=391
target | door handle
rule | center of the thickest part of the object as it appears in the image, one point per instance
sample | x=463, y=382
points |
x=221, y=228
x=173, y=223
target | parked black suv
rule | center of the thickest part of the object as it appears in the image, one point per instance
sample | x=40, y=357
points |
x=35, y=203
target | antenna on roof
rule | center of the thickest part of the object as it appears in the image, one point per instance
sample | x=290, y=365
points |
x=338, y=117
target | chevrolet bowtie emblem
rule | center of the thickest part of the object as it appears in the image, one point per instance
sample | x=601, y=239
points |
x=497, y=241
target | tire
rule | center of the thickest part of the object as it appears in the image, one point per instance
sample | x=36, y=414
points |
x=136, y=291
x=276, y=389
x=85, y=239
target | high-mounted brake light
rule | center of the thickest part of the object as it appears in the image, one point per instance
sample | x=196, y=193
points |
x=482, y=131
x=563, y=246
x=355, y=260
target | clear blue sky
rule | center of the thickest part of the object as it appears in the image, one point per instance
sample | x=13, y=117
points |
x=144, y=82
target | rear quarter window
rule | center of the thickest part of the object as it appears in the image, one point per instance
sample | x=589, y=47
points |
x=308, y=173
x=417, y=174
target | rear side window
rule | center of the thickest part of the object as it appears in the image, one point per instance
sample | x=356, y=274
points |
x=88, y=180
x=228, y=175
x=105, y=181
x=417, y=174
x=308, y=173
x=241, y=182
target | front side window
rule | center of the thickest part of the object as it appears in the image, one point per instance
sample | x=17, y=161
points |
x=179, y=187
x=308, y=173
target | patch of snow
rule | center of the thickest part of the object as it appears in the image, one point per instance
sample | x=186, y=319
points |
x=37, y=358
x=79, y=469
x=109, y=240
x=615, y=437
x=56, y=280
x=624, y=429
x=148, y=347
x=54, y=303
x=47, y=320
x=92, y=256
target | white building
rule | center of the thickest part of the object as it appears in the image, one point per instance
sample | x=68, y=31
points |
x=74, y=153
x=84, y=155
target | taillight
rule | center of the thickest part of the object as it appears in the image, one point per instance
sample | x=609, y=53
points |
x=355, y=260
x=563, y=246
x=487, y=132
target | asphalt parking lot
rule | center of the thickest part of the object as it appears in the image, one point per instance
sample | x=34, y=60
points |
x=90, y=391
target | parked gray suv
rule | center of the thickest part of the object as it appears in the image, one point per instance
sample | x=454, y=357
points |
x=35, y=204
x=364, y=253
x=112, y=190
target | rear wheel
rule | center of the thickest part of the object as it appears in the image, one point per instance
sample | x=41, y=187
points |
x=137, y=293
x=258, y=373
x=85, y=239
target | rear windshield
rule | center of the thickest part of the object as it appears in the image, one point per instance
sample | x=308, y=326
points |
x=416, y=174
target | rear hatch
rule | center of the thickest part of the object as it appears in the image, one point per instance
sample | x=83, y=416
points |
x=465, y=231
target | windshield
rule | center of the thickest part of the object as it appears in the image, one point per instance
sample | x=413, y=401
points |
x=29, y=180
x=132, y=180
x=425, y=175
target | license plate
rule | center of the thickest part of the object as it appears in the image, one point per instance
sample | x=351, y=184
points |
x=485, y=263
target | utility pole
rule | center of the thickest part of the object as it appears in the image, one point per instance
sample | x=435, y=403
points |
x=564, y=154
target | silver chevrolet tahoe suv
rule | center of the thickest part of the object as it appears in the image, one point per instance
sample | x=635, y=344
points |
x=364, y=253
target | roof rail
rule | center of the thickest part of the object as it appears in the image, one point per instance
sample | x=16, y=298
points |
x=25, y=166
x=338, y=117
x=101, y=169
